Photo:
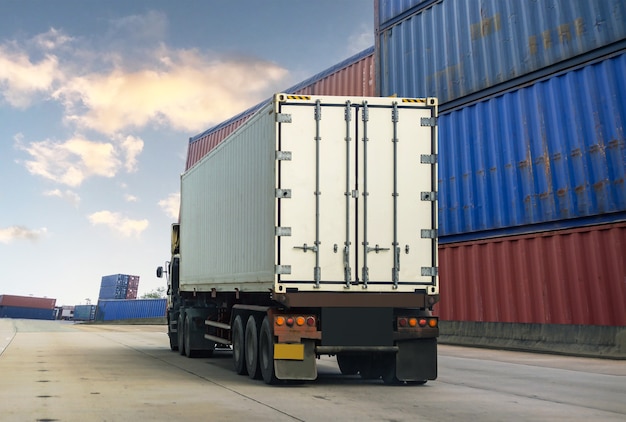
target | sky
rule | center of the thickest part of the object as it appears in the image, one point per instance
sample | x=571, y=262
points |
x=98, y=100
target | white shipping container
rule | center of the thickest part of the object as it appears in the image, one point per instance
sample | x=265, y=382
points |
x=316, y=193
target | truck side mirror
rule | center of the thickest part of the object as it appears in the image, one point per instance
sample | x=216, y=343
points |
x=159, y=272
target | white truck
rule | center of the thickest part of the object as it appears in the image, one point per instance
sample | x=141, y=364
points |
x=312, y=230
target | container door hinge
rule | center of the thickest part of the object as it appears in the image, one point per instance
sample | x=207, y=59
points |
x=282, y=269
x=283, y=118
x=283, y=193
x=282, y=231
x=429, y=196
x=283, y=155
x=428, y=159
x=430, y=271
x=428, y=121
x=429, y=233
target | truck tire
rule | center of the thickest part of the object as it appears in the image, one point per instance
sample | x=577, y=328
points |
x=239, y=347
x=173, y=337
x=187, y=339
x=252, y=348
x=348, y=364
x=266, y=352
x=181, y=334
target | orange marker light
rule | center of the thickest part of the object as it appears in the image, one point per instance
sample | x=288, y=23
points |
x=300, y=321
x=280, y=320
x=412, y=322
x=432, y=322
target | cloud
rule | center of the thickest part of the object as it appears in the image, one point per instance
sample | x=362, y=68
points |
x=22, y=79
x=72, y=161
x=182, y=89
x=125, y=226
x=68, y=195
x=360, y=40
x=130, y=198
x=171, y=205
x=20, y=232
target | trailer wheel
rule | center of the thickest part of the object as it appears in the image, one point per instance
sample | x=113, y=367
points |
x=181, y=334
x=239, y=350
x=266, y=352
x=348, y=364
x=252, y=348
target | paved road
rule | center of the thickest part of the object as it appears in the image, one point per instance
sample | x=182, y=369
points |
x=54, y=371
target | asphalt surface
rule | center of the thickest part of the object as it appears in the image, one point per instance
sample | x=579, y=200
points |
x=55, y=371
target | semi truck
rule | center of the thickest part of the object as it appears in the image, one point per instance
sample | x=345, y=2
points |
x=309, y=231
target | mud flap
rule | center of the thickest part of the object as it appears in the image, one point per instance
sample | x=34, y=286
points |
x=417, y=360
x=305, y=369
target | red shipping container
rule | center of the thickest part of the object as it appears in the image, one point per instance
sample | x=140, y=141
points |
x=27, y=302
x=573, y=276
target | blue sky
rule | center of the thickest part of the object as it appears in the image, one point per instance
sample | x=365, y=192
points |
x=97, y=102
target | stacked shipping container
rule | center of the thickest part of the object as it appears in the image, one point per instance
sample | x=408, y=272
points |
x=27, y=307
x=119, y=286
x=532, y=151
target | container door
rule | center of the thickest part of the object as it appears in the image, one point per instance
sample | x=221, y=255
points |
x=320, y=176
x=397, y=208
x=357, y=183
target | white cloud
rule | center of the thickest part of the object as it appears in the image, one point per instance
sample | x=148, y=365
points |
x=131, y=147
x=360, y=40
x=72, y=161
x=21, y=79
x=119, y=223
x=171, y=205
x=130, y=198
x=182, y=89
x=51, y=40
x=20, y=232
x=68, y=195
x=130, y=85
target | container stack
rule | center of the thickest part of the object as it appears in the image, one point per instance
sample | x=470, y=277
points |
x=532, y=200
x=119, y=286
x=27, y=307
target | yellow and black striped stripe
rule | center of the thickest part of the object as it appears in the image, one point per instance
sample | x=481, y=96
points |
x=413, y=100
x=298, y=97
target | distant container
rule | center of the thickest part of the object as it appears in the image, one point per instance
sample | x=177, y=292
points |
x=113, y=310
x=553, y=151
x=133, y=287
x=84, y=312
x=452, y=48
x=573, y=276
x=116, y=286
x=354, y=76
x=20, y=312
x=27, y=302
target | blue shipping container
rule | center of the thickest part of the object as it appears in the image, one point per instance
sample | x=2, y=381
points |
x=26, y=313
x=114, y=286
x=452, y=48
x=551, y=151
x=84, y=312
x=113, y=310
